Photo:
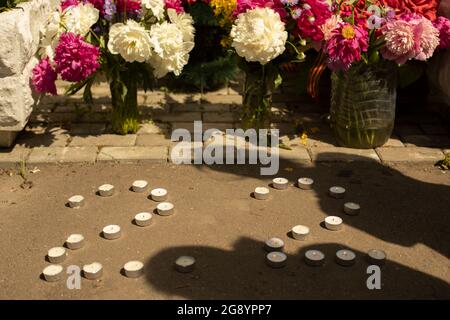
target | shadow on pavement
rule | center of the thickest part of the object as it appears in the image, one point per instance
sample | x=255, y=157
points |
x=243, y=274
x=394, y=207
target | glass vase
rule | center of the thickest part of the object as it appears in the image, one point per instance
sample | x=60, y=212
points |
x=260, y=83
x=125, y=113
x=363, y=105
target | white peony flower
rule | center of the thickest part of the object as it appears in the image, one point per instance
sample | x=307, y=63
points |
x=50, y=35
x=184, y=22
x=131, y=41
x=171, y=52
x=259, y=35
x=157, y=7
x=79, y=19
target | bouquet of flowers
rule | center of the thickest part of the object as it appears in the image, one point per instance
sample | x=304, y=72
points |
x=211, y=65
x=130, y=41
x=362, y=42
x=265, y=34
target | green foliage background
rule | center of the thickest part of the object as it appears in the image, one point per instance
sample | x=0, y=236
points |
x=210, y=65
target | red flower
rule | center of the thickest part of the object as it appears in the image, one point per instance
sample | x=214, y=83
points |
x=426, y=8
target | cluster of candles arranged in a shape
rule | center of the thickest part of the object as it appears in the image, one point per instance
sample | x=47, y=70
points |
x=131, y=269
x=345, y=257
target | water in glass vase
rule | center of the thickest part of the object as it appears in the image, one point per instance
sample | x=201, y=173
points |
x=363, y=105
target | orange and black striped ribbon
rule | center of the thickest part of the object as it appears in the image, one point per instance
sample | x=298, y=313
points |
x=315, y=74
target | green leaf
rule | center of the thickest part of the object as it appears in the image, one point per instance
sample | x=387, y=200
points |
x=278, y=80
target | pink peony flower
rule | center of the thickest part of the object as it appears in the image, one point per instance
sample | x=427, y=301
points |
x=314, y=14
x=276, y=5
x=410, y=36
x=44, y=77
x=429, y=39
x=175, y=4
x=402, y=41
x=130, y=6
x=75, y=59
x=443, y=25
x=68, y=3
x=346, y=45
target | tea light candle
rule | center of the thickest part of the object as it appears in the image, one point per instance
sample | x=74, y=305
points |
x=159, y=194
x=75, y=241
x=165, y=208
x=280, y=183
x=351, y=208
x=133, y=269
x=333, y=223
x=143, y=219
x=274, y=244
x=185, y=264
x=56, y=255
x=76, y=201
x=337, y=192
x=314, y=258
x=139, y=185
x=276, y=259
x=345, y=257
x=111, y=232
x=377, y=257
x=261, y=193
x=300, y=232
x=305, y=183
x=52, y=272
x=106, y=190
x=93, y=271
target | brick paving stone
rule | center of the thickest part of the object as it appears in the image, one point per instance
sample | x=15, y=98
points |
x=11, y=157
x=62, y=155
x=218, y=98
x=178, y=116
x=409, y=154
x=220, y=117
x=153, y=128
x=336, y=154
x=184, y=152
x=54, y=117
x=141, y=154
x=152, y=140
x=201, y=107
x=87, y=128
x=154, y=110
x=320, y=140
x=394, y=141
x=219, y=126
x=183, y=125
x=104, y=140
x=151, y=97
x=182, y=98
x=298, y=154
x=31, y=139
x=430, y=141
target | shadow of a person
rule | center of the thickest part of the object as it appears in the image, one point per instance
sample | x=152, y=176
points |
x=243, y=274
x=395, y=205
